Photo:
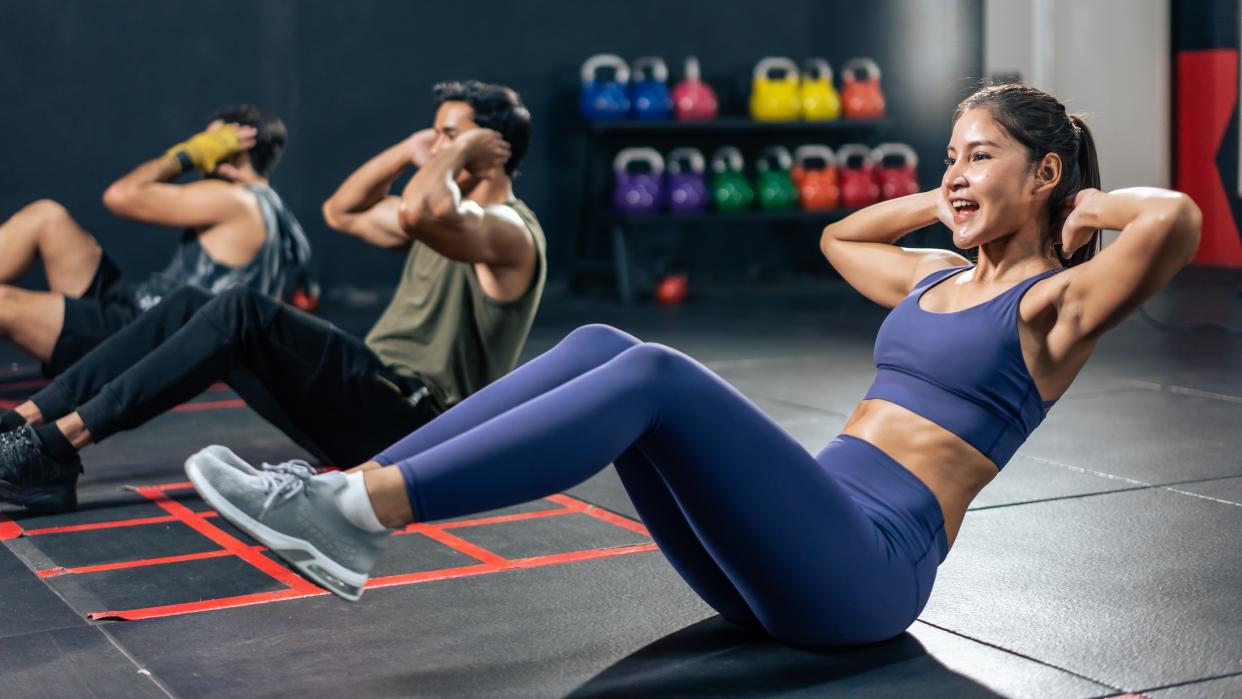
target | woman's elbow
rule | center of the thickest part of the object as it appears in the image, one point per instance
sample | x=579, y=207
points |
x=1183, y=221
x=1188, y=224
x=827, y=239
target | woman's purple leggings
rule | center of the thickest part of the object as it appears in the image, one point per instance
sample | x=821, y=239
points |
x=840, y=548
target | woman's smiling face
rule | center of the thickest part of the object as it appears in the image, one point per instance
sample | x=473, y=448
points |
x=989, y=181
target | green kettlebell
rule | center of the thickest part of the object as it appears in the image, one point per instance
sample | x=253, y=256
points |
x=774, y=184
x=731, y=191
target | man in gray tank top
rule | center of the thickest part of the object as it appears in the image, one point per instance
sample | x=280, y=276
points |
x=474, y=274
x=236, y=232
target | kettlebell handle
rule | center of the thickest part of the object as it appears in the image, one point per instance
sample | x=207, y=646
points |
x=852, y=150
x=605, y=60
x=728, y=159
x=629, y=155
x=854, y=65
x=812, y=66
x=693, y=156
x=767, y=64
x=777, y=154
x=815, y=150
x=692, y=70
x=885, y=150
x=657, y=66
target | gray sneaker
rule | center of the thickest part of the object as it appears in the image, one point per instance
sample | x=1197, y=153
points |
x=293, y=514
x=226, y=456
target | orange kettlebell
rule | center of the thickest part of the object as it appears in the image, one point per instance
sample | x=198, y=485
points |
x=861, y=97
x=815, y=174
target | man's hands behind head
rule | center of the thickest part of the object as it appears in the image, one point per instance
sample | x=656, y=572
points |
x=208, y=149
x=483, y=149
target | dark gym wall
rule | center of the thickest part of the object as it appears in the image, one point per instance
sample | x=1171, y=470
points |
x=92, y=88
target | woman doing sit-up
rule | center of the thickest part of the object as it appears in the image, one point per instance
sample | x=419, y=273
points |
x=840, y=547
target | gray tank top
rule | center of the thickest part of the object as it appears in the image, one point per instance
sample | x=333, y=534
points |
x=284, y=248
x=441, y=327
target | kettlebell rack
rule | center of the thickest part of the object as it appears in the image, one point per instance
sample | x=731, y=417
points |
x=593, y=256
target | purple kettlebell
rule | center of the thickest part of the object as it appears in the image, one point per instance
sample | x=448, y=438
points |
x=638, y=192
x=686, y=187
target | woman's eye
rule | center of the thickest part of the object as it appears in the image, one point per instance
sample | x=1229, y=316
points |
x=980, y=156
x=949, y=161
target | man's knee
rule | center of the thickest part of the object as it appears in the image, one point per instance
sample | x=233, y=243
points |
x=9, y=308
x=43, y=213
x=240, y=307
x=184, y=302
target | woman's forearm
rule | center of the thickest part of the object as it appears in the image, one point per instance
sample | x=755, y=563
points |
x=1119, y=208
x=887, y=221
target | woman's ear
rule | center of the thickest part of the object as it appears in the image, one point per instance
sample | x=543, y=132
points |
x=1048, y=173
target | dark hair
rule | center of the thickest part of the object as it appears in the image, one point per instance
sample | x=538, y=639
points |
x=495, y=107
x=269, y=142
x=1038, y=121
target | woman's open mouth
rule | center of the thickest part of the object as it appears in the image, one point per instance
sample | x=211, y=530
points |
x=963, y=209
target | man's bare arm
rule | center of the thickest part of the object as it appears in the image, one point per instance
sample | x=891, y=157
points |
x=434, y=211
x=362, y=206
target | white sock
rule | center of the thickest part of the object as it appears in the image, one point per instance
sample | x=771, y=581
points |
x=355, y=504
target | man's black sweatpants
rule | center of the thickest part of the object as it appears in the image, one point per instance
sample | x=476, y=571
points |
x=320, y=385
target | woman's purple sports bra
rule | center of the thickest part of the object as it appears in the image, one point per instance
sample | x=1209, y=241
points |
x=962, y=370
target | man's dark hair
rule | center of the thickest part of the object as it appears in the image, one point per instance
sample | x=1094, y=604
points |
x=269, y=142
x=495, y=107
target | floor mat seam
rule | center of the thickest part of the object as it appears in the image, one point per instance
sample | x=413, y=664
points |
x=1025, y=657
x=98, y=627
x=1187, y=683
x=142, y=670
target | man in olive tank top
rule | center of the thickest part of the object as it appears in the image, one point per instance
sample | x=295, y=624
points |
x=474, y=274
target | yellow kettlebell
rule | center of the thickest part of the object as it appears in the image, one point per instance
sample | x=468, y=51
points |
x=775, y=99
x=820, y=101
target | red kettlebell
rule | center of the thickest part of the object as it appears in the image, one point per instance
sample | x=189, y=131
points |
x=861, y=97
x=303, y=300
x=815, y=175
x=895, y=179
x=672, y=289
x=693, y=99
x=858, y=187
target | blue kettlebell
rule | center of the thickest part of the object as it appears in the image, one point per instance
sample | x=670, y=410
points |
x=649, y=90
x=638, y=191
x=605, y=100
x=686, y=185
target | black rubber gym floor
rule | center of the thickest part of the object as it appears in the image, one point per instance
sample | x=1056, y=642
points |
x=1103, y=561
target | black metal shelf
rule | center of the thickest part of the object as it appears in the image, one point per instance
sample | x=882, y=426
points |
x=604, y=137
x=735, y=124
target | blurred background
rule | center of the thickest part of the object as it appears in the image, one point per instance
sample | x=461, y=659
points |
x=91, y=89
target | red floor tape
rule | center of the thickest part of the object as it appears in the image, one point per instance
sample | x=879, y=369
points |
x=298, y=587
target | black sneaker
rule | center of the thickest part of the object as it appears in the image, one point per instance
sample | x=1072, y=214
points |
x=10, y=420
x=29, y=476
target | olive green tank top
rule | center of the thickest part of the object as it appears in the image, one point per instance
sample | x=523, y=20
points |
x=442, y=329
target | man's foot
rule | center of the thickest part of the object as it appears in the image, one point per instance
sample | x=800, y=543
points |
x=11, y=420
x=29, y=475
x=294, y=514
